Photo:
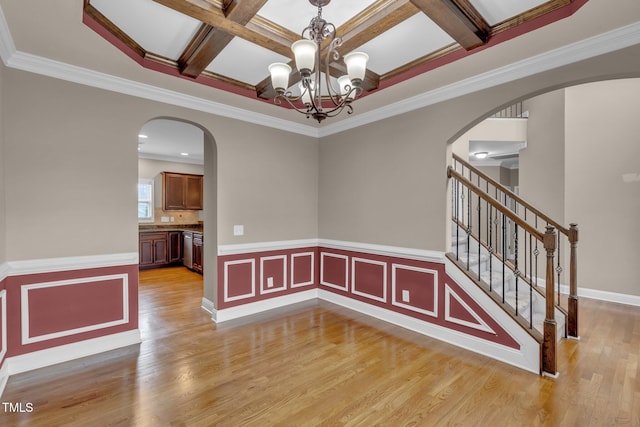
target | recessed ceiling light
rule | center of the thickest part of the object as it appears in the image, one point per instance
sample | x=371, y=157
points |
x=142, y=136
x=184, y=154
x=481, y=155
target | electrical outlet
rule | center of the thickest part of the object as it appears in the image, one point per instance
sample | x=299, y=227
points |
x=238, y=230
x=405, y=296
x=164, y=219
x=269, y=282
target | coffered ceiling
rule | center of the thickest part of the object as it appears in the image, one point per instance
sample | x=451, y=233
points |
x=228, y=44
x=212, y=55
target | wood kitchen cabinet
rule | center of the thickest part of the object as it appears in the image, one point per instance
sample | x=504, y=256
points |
x=153, y=249
x=182, y=191
x=197, y=251
x=174, y=244
x=160, y=248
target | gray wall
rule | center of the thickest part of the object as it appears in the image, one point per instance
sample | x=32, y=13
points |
x=603, y=182
x=542, y=162
x=3, y=238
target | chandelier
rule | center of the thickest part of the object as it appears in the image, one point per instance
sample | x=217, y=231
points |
x=307, y=53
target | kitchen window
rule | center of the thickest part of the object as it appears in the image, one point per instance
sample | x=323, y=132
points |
x=145, y=200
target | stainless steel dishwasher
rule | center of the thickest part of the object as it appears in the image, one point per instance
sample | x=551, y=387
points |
x=187, y=249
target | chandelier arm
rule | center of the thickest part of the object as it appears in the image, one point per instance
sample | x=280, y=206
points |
x=332, y=54
x=289, y=98
x=337, y=110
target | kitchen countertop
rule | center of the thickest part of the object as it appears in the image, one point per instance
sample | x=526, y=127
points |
x=198, y=228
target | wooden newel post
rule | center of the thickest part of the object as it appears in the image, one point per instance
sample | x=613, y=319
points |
x=550, y=327
x=572, y=324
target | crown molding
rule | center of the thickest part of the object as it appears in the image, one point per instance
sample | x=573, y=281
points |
x=59, y=70
x=610, y=41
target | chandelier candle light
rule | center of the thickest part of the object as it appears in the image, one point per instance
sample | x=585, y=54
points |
x=307, y=57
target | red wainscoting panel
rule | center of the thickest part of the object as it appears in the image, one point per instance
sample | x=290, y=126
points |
x=50, y=309
x=334, y=270
x=257, y=276
x=419, y=289
x=369, y=278
x=53, y=309
x=273, y=273
x=239, y=279
x=415, y=288
x=303, y=269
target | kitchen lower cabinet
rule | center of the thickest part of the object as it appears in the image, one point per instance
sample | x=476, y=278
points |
x=159, y=248
x=153, y=249
x=198, y=239
x=174, y=243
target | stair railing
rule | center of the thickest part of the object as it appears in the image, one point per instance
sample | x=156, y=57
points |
x=512, y=234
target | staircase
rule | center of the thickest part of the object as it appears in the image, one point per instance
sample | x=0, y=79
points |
x=517, y=255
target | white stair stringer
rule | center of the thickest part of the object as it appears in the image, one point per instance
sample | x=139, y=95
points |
x=528, y=356
x=491, y=273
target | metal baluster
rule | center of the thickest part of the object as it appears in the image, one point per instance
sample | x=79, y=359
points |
x=457, y=219
x=479, y=209
x=536, y=252
x=530, y=281
x=504, y=252
x=490, y=232
x=468, y=225
x=517, y=272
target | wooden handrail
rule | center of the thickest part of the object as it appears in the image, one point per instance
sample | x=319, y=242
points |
x=562, y=229
x=495, y=203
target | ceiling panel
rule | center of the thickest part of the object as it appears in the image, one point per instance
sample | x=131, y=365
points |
x=496, y=11
x=398, y=35
x=295, y=15
x=412, y=39
x=244, y=61
x=154, y=27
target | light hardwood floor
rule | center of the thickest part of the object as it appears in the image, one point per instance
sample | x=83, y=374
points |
x=319, y=364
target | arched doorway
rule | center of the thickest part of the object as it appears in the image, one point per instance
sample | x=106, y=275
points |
x=167, y=144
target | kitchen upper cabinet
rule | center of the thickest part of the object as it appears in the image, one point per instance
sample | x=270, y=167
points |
x=181, y=191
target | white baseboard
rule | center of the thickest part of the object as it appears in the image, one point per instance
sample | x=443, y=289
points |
x=227, y=314
x=598, y=294
x=4, y=377
x=608, y=296
x=207, y=305
x=67, y=352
